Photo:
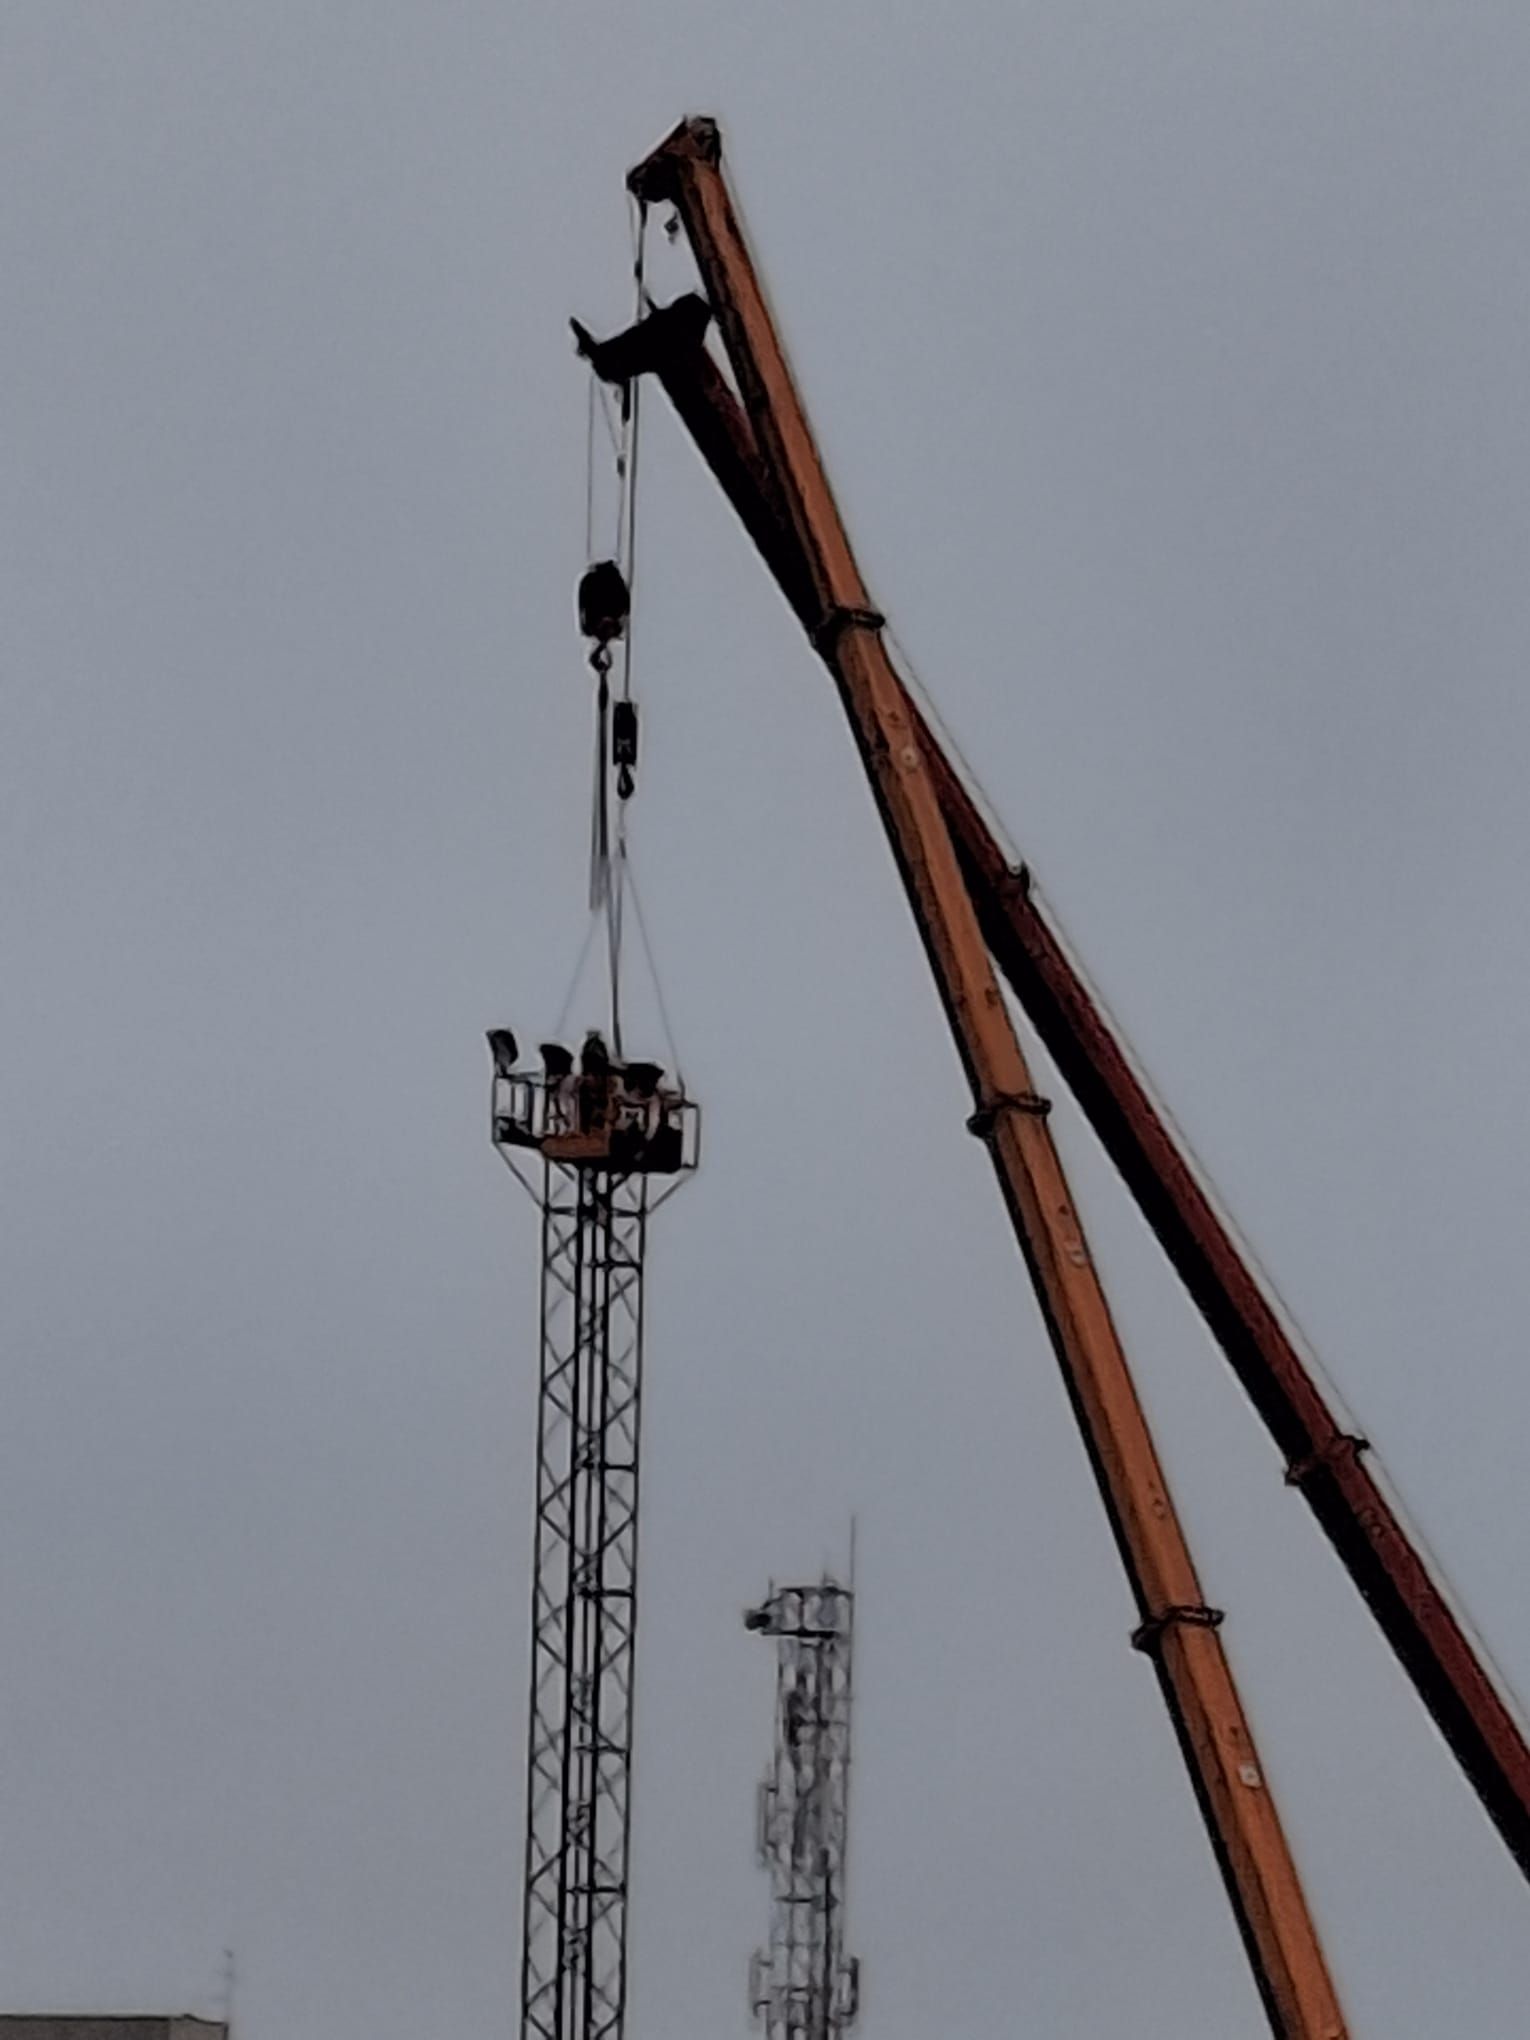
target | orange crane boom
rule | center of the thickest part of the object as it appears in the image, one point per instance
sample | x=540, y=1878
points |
x=1321, y=1458
x=771, y=438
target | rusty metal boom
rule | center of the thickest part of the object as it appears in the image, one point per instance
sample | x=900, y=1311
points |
x=1321, y=1458
x=767, y=446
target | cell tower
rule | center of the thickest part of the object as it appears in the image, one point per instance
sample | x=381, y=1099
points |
x=803, y=1986
x=599, y=1147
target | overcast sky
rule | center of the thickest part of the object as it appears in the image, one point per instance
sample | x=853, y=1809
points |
x=1169, y=357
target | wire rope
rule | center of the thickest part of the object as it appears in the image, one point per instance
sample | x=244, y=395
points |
x=653, y=971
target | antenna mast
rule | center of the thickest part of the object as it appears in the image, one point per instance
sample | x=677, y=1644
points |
x=803, y=1986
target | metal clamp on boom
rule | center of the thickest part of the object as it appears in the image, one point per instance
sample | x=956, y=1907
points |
x=827, y=633
x=1031, y=1103
x=1149, y=1636
x=1346, y=1445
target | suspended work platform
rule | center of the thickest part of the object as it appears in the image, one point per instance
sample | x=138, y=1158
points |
x=621, y=1117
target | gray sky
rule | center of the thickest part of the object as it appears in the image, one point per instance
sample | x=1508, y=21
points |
x=1169, y=358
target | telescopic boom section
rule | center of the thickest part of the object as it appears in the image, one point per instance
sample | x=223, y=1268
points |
x=1177, y=1629
x=1321, y=1457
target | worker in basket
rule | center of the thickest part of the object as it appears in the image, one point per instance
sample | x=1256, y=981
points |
x=639, y=1111
x=595, y=1084
x=558, y=1069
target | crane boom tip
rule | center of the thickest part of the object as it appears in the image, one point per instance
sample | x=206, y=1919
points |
x=697, y=139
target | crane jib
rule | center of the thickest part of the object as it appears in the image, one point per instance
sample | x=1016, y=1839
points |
x=1321, y=1458
x=761, y=448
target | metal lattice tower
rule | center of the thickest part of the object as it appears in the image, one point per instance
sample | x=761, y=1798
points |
x=613, y=1144
x=803, y=1986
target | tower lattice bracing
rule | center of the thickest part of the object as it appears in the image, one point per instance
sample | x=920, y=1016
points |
x=803, y=1986
x=611, y=1145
